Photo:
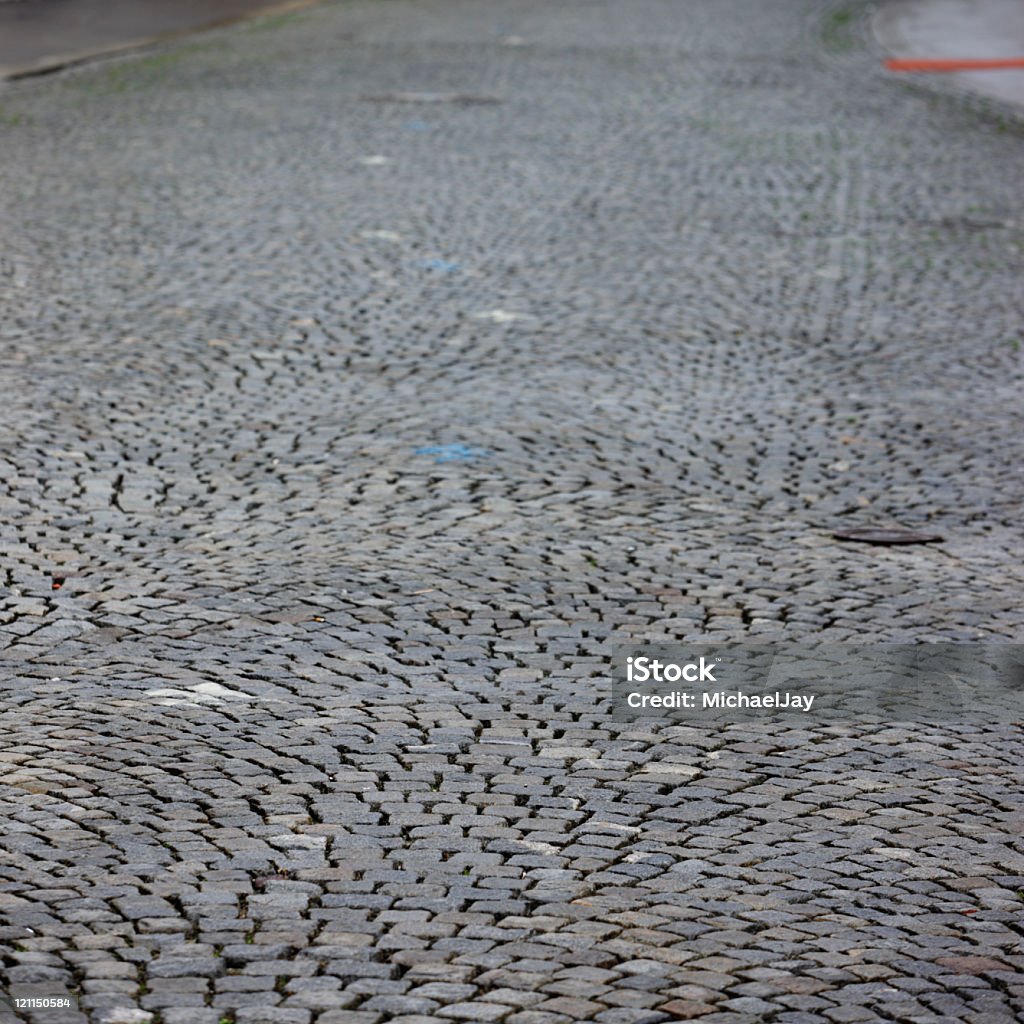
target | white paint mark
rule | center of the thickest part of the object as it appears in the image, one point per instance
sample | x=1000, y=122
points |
x=500, y=316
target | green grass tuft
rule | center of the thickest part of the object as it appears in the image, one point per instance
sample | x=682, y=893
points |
x=838, y=28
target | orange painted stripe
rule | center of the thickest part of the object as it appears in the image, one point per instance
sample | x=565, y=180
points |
x=914, y=64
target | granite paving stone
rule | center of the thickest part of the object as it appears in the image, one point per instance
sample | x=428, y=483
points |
x=369, y=375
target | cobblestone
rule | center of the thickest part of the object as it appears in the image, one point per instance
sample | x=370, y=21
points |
x=352, y=422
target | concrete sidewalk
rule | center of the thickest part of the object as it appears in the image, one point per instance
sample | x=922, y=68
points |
x=958, y=29
x=38, y=36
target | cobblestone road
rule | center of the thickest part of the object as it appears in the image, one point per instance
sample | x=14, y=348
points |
x=366, y=376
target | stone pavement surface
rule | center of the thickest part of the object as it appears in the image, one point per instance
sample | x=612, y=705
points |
x=367, y=377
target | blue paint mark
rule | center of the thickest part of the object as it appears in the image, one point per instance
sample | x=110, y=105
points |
x=417, y=126
x=442, y=266
x=453, y=452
